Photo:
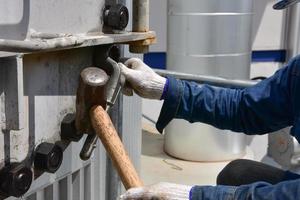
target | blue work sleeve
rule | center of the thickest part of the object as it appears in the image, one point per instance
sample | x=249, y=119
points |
x=287, y=190
x=220, y=192
x=268, y=106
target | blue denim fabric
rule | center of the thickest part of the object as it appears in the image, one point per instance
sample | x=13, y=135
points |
x=268, y=106
x=287, y=190
x=212, y=192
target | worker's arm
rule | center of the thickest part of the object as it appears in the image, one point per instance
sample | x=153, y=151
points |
x=268, y=106
x=288, y=190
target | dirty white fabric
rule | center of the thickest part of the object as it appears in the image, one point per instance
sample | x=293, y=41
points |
x=160, y=191
x=142, y=79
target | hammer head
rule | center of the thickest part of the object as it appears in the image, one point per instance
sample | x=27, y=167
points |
x=91, y=91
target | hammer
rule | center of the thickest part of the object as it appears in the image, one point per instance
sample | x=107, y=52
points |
x=113, y=88
x=91, y=117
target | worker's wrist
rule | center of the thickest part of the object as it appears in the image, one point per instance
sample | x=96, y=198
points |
x=191, y=193
x=212, y=192
x=165, y=90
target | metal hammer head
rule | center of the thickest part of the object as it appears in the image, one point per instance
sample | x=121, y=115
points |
x=91, y=91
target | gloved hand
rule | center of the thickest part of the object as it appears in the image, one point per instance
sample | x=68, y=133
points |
x=142, y=79
x=160, y=191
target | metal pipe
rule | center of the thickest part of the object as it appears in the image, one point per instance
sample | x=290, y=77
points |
x=38, y=45
x=149, y=119
x=211, y=80
x=140, y=14
x=140, y=23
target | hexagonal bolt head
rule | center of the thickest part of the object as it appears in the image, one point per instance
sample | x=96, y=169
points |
x=48, y=157
x=116, y=16
x=15, y=180
x=68, y=130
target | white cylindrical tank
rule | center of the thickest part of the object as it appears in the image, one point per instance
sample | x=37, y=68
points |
x=211, y=37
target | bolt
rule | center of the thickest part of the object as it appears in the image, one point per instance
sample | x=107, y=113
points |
x=23, y=181
x=116, y=16
x=55, y=158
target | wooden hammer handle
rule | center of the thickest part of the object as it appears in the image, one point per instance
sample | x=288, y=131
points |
x=104, y=128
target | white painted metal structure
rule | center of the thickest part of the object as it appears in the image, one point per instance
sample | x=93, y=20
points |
x=209, y=37
x=37, y=89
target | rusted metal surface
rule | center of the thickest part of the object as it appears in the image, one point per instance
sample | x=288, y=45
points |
x=50, y=44
x=91, y=91
x=140, y=23
x=37, y=91
x=12, y=85
x=29, y=46
x=145, y=42
x=72, y=41
x=140, y=15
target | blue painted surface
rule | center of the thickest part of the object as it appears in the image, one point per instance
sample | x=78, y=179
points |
x=269, y=56
x=158, y=59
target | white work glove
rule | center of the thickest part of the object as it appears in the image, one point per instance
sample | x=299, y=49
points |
x=160, y=191
x=142, y=79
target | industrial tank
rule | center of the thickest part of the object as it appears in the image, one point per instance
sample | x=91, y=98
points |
x=210, y=37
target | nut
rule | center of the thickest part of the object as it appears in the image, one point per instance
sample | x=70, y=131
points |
x=48, y=157
x=15, y=180
x=68, y=130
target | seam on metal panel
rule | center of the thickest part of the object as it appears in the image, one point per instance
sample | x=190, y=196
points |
x=209, y=14
x=216, y=55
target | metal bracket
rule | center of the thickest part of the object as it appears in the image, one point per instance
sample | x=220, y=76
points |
x=12, y=90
